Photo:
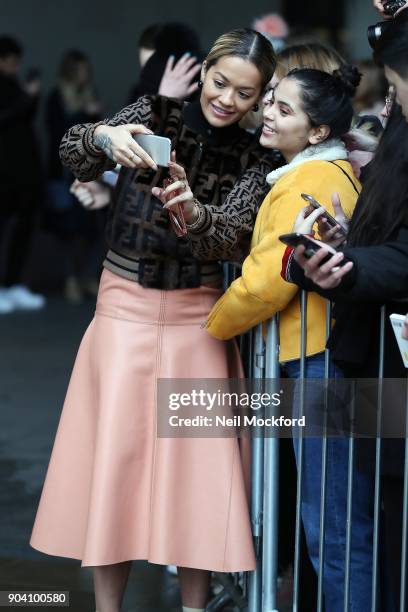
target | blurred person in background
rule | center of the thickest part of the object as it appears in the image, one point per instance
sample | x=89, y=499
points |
x=171, y=64
x=312, y=54
x=20, y=177
x=391, y=52
x=147, y=43
x=72, y=101
x=369, y=99
x=170, y=58
x=274, y=27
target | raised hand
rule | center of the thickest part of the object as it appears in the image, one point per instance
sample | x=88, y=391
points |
x=119, y=145
x=306, y=219
x=331, y=235
x=93, y=195
x=327, y=275
x=379, y=5
x=178, y=78
x=178, y=192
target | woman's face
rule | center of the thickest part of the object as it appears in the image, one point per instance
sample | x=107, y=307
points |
x=231, y=87
x=286, y=126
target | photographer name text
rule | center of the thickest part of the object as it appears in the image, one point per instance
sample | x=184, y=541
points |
x=236, y=421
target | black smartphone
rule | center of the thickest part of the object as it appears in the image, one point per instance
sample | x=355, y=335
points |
x=311, y=246
x=330, y=219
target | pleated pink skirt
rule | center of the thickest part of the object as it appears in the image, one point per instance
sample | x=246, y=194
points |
x=114, y=491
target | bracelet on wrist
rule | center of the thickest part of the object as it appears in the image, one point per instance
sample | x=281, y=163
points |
x=200, y=216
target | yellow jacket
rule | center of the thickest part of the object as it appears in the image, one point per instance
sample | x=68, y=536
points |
x=261, y=292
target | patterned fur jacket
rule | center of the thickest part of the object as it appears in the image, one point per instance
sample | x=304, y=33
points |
x=226, y=169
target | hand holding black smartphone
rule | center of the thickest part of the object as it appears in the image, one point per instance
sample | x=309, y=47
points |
x=312, y=246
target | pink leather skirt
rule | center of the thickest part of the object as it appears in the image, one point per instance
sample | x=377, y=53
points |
x=114, y=491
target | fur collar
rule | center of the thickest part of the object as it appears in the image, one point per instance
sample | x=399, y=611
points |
x=329, y=150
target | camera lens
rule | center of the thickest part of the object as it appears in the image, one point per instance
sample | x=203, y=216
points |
x=375, y=32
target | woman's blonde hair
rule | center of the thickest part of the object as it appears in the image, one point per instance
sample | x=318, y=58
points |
x=309, y=55
x=249, y=45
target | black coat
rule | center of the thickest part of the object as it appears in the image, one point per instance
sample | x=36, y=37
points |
x=20, y=164
x=379, y=277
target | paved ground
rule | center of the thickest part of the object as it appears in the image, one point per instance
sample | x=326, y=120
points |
x=36, y=356
x=37, y=351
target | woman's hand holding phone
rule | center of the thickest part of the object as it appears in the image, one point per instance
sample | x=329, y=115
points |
x=119, y=145
x=178, y=193
x=330, y=232
x=334, y=236
x=327, y=274
x=306, y=219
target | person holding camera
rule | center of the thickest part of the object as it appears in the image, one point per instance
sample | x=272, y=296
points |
x=390, y=51
x=390, y=8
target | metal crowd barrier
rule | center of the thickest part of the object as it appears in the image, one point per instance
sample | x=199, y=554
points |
x=258, y=590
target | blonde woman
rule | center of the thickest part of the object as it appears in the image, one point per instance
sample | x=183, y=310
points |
x=115, y=492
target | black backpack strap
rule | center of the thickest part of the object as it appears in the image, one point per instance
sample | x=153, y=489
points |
x=349, y=177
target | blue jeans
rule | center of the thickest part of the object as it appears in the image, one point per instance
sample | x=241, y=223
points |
x=336, y=507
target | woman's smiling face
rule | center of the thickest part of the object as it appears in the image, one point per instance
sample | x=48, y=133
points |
x=231, y=87
x=286, y=126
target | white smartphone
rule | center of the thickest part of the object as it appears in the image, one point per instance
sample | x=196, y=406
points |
x=158, y=147
x=397, y=321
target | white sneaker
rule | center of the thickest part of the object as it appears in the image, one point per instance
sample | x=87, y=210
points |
x=23, y=299
x=6, y=304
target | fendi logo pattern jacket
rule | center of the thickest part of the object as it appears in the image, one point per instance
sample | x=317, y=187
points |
x=226, y=169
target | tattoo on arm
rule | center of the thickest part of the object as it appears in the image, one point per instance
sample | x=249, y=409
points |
x=104, y=143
